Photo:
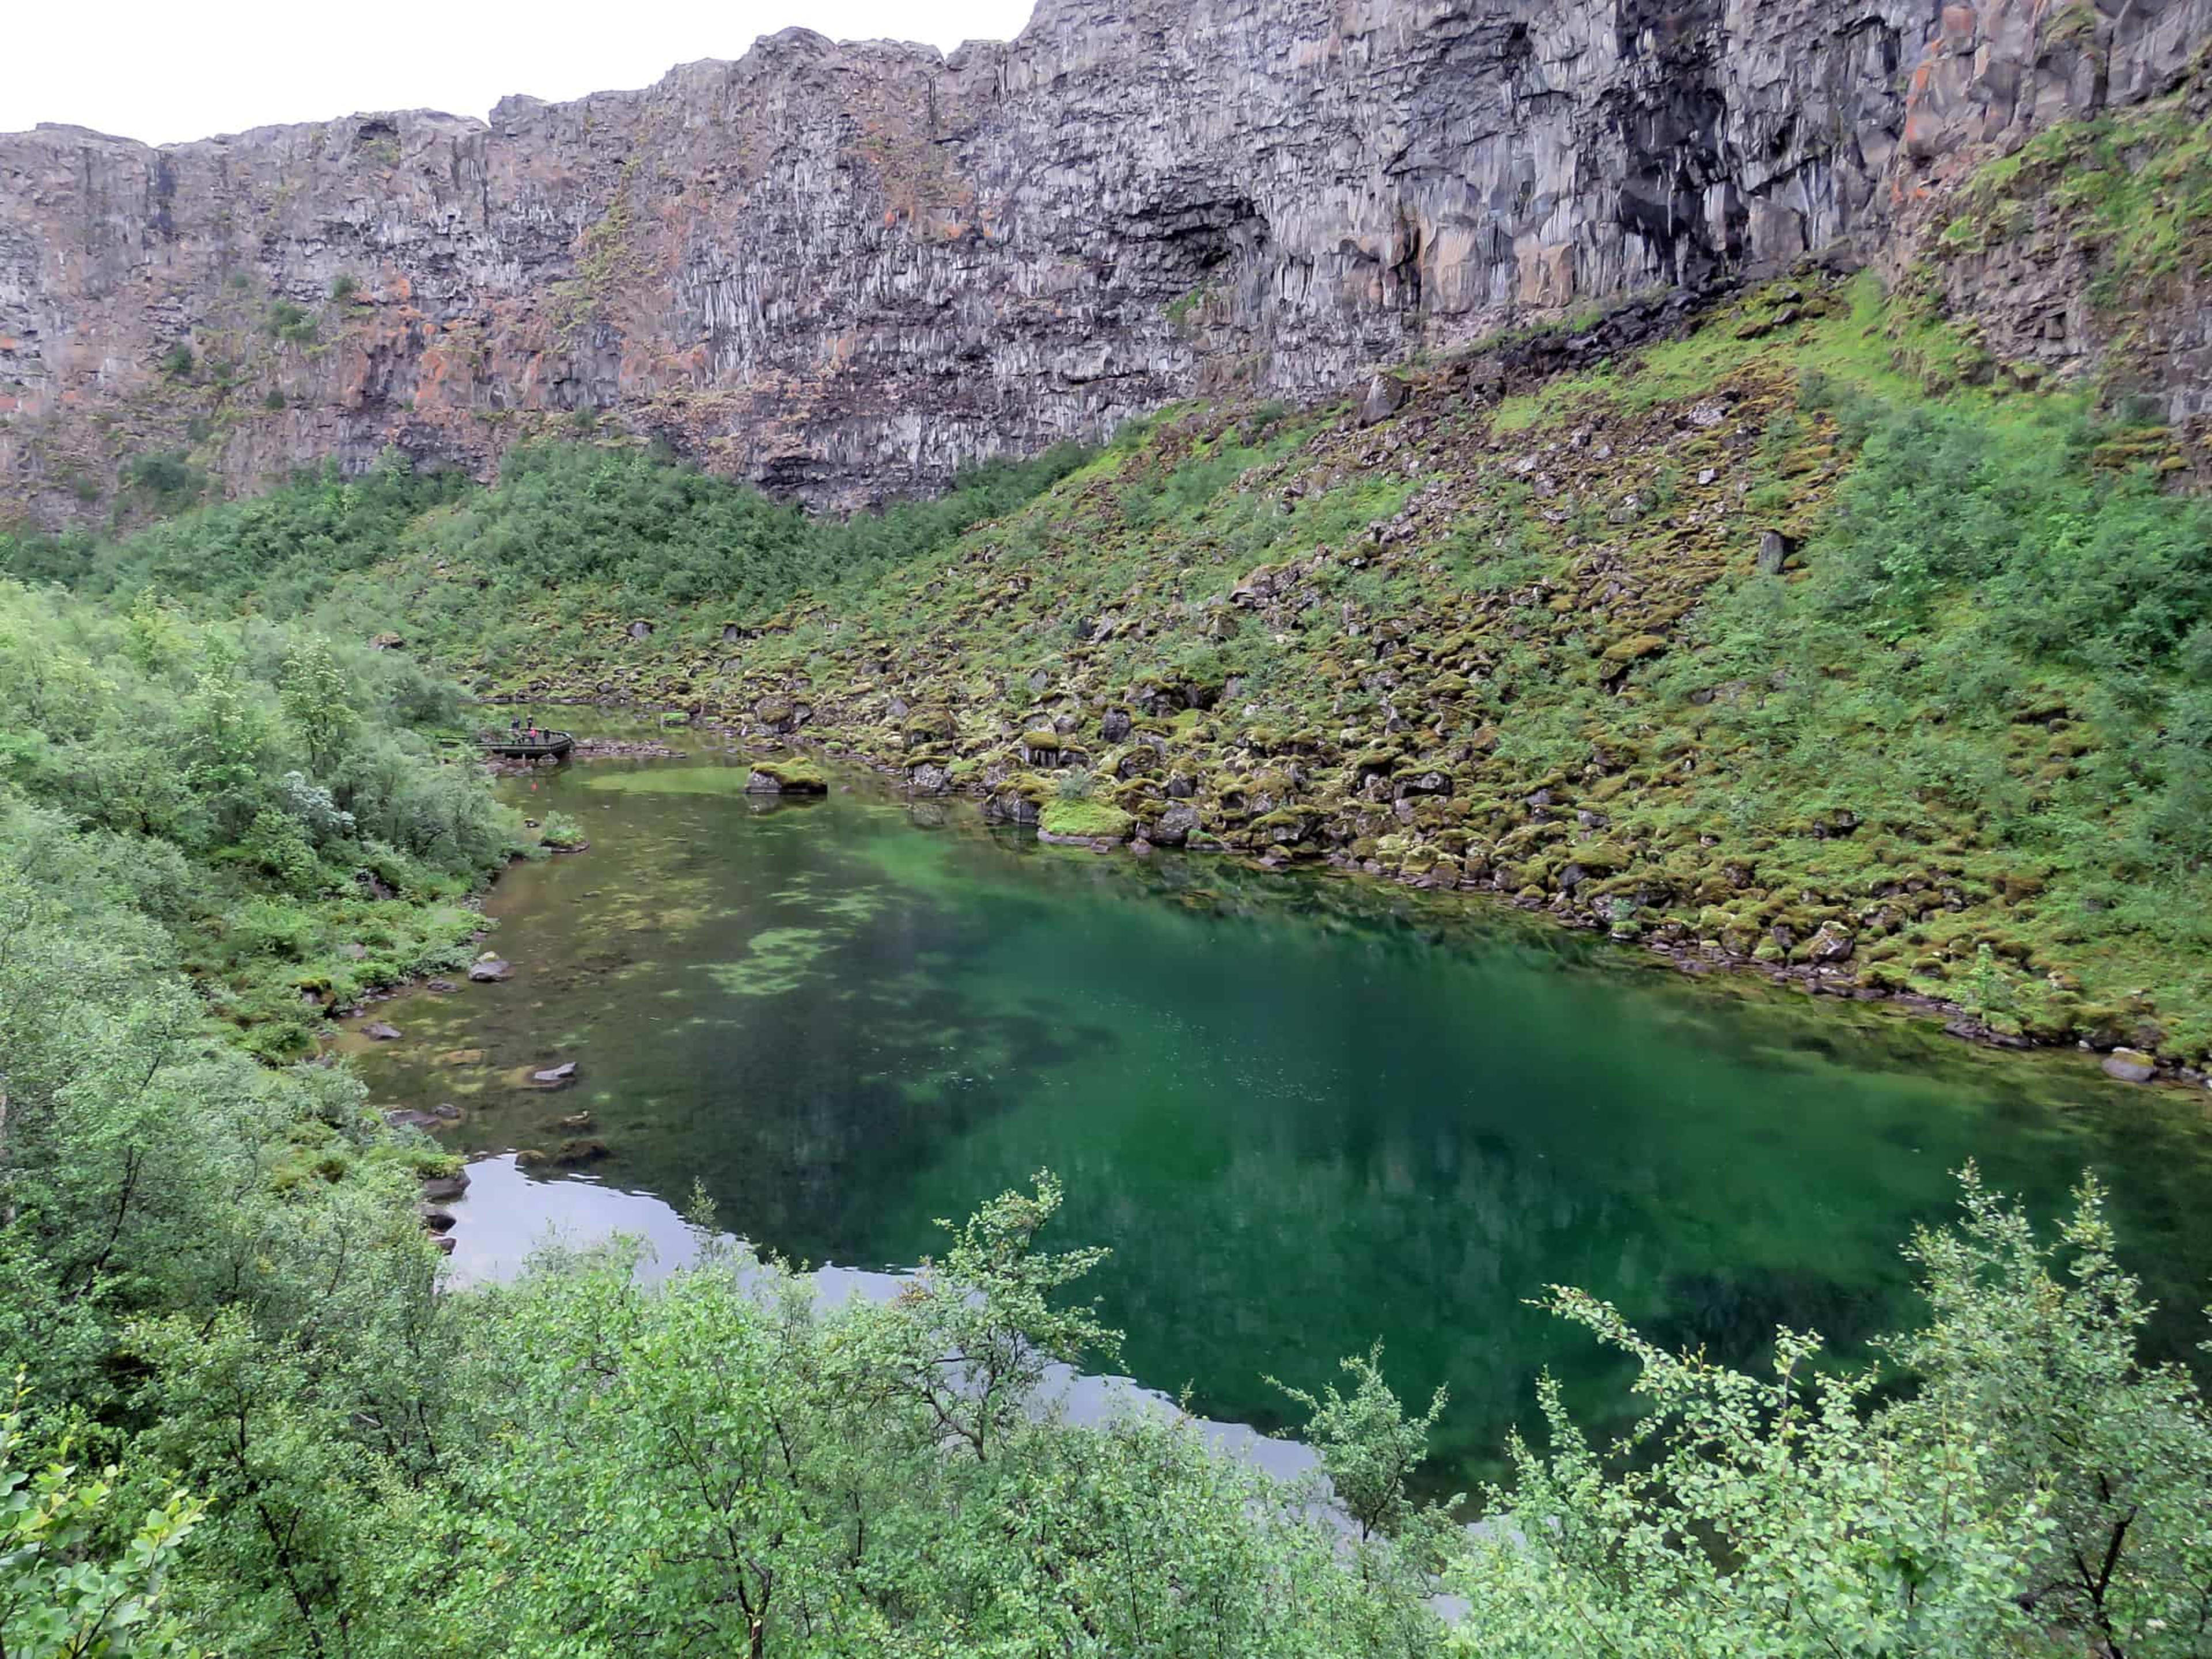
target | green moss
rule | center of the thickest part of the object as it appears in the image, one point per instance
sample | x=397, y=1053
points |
x=791, y=776
x=1087, y=819
x=777, y=960
x=663, y=780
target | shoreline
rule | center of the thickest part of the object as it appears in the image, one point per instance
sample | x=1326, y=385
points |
x=1683, y=954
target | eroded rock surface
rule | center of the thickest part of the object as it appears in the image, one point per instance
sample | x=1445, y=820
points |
x=843, y=271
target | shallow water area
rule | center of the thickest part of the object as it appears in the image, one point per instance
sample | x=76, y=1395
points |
x=1305, y=1112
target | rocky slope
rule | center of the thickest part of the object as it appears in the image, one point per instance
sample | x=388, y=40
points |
x=1646, y=647
x=845, y=269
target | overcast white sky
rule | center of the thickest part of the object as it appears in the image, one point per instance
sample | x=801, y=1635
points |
x=167, y=71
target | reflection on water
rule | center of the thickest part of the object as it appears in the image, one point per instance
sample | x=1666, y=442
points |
x=505, y=1218
x=1304, y=1113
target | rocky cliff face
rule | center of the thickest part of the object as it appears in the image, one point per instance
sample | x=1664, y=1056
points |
x=846, y=269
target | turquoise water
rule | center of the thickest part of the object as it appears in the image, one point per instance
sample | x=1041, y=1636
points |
x=1305, y=1113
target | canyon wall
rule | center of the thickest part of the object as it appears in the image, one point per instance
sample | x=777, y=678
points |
x=846, y=269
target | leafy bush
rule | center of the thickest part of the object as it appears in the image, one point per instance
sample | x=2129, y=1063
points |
x=562, y=832
x=244, y=773
x=167, y=479
x=2038, y=1490
x=63, y=1591
x=565, y=514
x=291, y=323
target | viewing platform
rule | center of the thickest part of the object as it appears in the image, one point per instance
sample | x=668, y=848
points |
x=516, y=745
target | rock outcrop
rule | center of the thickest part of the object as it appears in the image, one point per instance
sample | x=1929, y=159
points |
x=845, y=270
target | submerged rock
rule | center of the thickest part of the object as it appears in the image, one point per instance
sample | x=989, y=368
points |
x=568, y=1154
x=554, y=1076
x=490, y=969
x=377, y=1031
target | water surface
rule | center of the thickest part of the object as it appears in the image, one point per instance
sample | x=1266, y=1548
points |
x=1305, y=1113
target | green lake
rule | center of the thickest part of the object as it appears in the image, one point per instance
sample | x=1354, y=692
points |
x=1306, y=1112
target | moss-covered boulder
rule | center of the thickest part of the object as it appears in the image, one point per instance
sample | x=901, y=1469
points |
x=928, y=725
x=1084, y=821
x=1020, y=799
x=786, y=777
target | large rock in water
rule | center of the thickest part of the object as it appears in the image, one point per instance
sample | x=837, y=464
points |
x=786, y=777
x=1034, y=239
x=445, y=1189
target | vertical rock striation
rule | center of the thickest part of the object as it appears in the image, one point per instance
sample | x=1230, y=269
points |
x=846, y=269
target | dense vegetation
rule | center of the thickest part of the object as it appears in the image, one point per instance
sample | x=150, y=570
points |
x=255, y=792
x=2003, y=644
x=592, y=524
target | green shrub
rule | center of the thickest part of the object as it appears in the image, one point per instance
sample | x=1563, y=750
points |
x=291, y=323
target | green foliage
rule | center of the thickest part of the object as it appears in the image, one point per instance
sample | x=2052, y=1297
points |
x=622, y=524
x=282, y=549
x=64, y=1593
x=293, y=324
x=2039, y=1491
x=1980, y=579
x=1369, y=1446
x=313, y=692
x=758, y=1472
x=260, y=770
x=560, y=831
x=166, y=481
x=2074, y=564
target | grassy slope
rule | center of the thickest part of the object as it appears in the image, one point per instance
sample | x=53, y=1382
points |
x=1383, y=645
